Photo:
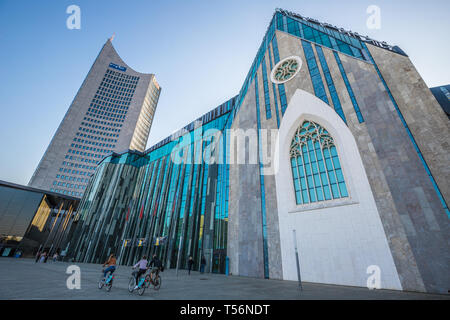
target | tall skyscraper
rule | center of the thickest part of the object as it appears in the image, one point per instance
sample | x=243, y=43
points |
x=112, y=111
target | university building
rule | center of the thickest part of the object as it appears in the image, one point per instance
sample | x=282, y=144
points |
x=334, y=145
x=112, y=111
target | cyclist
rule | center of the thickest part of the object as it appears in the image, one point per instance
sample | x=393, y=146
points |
x=142, y=264
x=157, y=265
x=111, y=263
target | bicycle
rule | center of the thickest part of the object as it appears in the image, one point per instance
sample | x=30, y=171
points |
x=106, y=281
x=156, y=281
x=141, y=283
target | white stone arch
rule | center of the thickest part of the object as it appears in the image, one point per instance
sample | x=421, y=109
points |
x=337, y=239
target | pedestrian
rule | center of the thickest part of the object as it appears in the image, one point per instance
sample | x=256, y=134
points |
x=190, y=264
x=43, y=256
x=46, y=257
x=38, y=255
x=55, y=257
x=63, y=255
x=202, y=264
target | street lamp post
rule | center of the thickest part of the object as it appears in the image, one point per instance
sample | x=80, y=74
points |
x=297, y=261
x=179, y=254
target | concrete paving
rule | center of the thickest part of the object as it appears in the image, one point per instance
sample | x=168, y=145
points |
x=25, y=279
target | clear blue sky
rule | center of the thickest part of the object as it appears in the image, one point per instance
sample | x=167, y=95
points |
x=200, y=52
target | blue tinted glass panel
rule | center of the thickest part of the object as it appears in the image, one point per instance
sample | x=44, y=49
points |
x=316, y=170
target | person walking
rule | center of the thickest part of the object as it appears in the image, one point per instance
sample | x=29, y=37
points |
x=43, y=257
x=55, y=257
x=202, y=264
x=190, y=264
x=63, y=254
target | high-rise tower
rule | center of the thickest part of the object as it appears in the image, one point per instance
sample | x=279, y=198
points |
x=112, y=111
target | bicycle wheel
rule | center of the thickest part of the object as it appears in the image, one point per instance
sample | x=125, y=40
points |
x=157, y=283
x=131, y=284
x=141, y=289
x=147, y=281
x=101, y=282
x=109, y=285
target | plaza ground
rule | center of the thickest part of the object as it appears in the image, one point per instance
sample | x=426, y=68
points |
x=25, y=279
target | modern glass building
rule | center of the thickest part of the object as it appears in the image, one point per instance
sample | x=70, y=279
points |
x=166, y=201
x=333, y=143
x=112, y=111
x=33, y=219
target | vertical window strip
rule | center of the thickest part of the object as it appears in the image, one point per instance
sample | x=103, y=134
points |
x=217, y=206
x=170, y=198
x=331, y=173
x=276, y=56
x=184, y=216
x=224, y=203
x=280, y=25
x=263, y=196
x=411, y=137
x=197, y=150
x=185, y=189
x=296, y=165
x=315, y=171
x=155, y=186
x=274, y=91
x=226, y=157
x=152, y=185
x=324, y=178
x=227, y=192
x=314, y=72
x=281, y=90
x=334, y=96
x=160, y=200
x=308, y=169
x=266, y=89
x=203, y=203
x=205, y=182
x=349, y=88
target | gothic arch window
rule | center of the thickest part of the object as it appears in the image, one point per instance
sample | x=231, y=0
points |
x=316, y=169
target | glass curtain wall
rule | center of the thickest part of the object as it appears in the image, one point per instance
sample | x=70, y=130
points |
x=169, y=201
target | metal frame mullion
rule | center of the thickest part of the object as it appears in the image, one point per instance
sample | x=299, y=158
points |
x=334, y=172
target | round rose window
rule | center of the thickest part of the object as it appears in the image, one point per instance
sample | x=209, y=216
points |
x=286, y=69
